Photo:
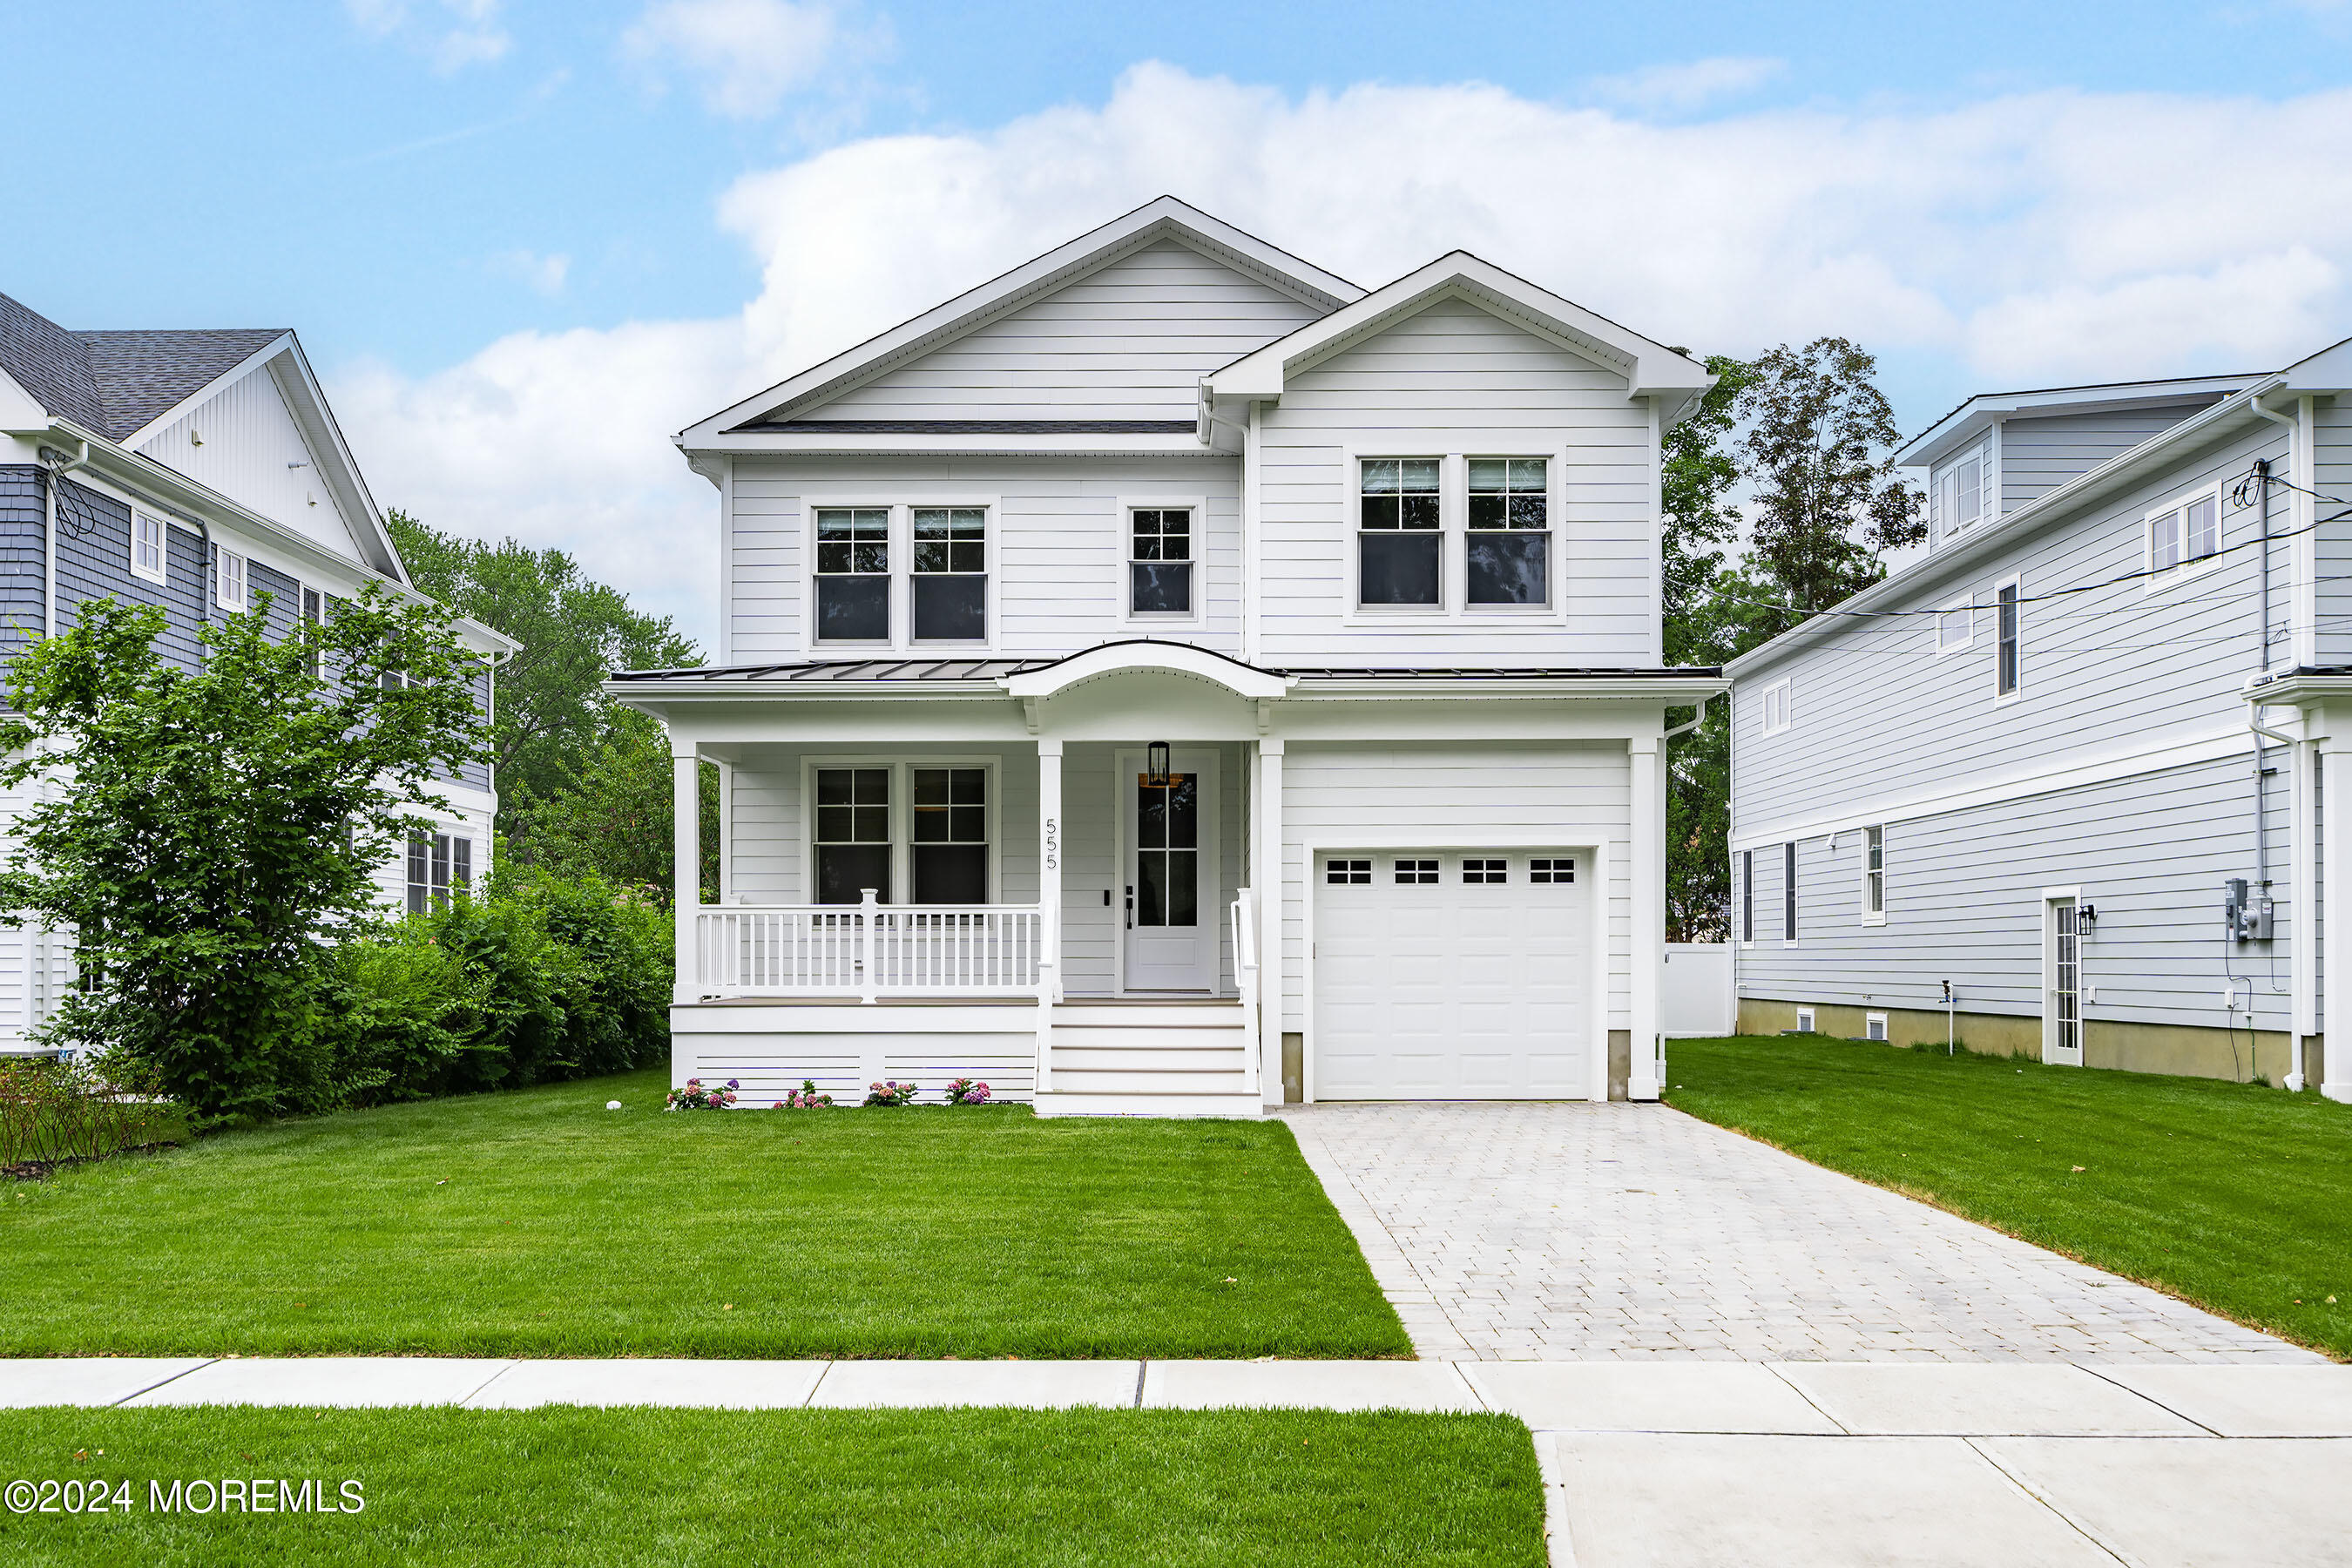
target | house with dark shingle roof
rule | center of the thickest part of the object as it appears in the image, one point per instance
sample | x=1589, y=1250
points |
x=201, y=471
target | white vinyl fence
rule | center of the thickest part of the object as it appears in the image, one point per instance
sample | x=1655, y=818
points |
x=1695, y=995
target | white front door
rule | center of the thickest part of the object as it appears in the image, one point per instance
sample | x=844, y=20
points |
x=1169, y=832
x=2061, y=1012
x=1452, y=974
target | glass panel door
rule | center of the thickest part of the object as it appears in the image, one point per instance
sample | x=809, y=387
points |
x=1171, y=914
x=2063, y=1025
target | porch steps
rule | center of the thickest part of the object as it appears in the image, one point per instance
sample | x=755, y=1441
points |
x=1151, y=1059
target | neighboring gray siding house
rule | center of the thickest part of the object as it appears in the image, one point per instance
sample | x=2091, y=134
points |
x=2027, y=765
x=195, y=471
x=1169, y=678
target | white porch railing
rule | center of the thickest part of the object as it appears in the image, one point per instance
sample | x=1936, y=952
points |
x=868, y=950
x=1244, y=910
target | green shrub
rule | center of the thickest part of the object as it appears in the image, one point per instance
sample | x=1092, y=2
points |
x=539, y=980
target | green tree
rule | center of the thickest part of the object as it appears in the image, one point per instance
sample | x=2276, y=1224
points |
x=1818, y=451
x=1696, y=474
x=211, y=829
x=583, y=784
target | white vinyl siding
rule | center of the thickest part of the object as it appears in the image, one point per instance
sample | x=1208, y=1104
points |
x=1458, y=381
x=1129, y=341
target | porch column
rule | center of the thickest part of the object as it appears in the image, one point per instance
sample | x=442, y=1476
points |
x=1049, y=904
x=1266, y=885
x=2303, y=955
x=1647, y=870
x=2336, y=952
x=685, y=873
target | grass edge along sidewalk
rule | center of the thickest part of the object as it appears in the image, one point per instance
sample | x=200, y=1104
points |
x=537, y=1223
x=565, y=1485
x=2233, y=1197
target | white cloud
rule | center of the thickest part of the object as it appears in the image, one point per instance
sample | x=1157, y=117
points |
x=2047, y=236
x=1684, y=87
x=542, y=275
x=748, y=56
x=452, y=34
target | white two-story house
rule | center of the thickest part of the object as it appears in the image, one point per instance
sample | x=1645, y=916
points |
x=1169, y=678
x=2068, y=784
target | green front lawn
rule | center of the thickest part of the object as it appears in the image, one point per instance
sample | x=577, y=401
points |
x=539, y=1224
x=2234, y=1197
x=870, y=1488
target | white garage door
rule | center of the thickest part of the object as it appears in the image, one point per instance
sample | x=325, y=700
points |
x=1452, y=974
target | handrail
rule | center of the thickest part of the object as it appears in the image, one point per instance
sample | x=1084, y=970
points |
x=1246, y=980
x=868, y=950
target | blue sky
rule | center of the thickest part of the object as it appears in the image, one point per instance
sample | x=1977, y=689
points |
x=526, y=241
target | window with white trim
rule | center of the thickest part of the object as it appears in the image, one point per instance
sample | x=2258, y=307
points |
x=2184, y=534
x=439, y=865
x=1776, y=706
x=2007, y=600
x=951, y=574
x=853, y=573
x=1873, y=1027
x=1873, y=876
x=1788, y=893
x=1399, y=531
x=951, y=836
x=1963, y=493
x=1160, y=561
x=230, y=580
x=1416, y=873
x=1507, y=552
x=1955, y=629
x=313, y=622
x=852, y=835
x=147, y=547
x=1348, y=873
x=1804, y=1020
x=1748, y=896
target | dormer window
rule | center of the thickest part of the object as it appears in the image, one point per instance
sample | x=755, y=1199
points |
x=1963, y=493
x=1399, y=532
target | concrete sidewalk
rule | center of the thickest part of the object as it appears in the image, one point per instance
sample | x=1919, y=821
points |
x=1818, y=1464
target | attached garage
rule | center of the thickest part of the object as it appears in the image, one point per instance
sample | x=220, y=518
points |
x=1452, y=974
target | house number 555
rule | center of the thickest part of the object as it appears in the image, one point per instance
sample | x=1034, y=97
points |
x=1053, y=844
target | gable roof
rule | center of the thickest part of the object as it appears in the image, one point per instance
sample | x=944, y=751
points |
x=1163, y=219
x=115, y=383
x=1970, y=421
x=1650, y=369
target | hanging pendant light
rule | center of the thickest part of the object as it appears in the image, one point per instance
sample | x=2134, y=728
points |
x=1155, y=765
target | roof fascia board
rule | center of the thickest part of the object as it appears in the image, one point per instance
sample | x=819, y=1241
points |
x=1674, y=691
x=166, y=486
x=1650, y=368
x=1971, y=418
x=1992, y=538
x=2329, y=369
x=1164, y=217
x=886, y=444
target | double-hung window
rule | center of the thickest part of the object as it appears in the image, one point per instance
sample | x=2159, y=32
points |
x=2005, y=655
x=951, y=574
x=438, y=866
x=1160, y=561
x=1874, y=875
x=951, y=849
x=2184, y=534
x=230, y=580
x=853, y=574
x=1955, y=629
x=147, y=547
x=1399, y=531
x=1963, y=493
x=1775, y=705
x=852, y=835
x=1747, y=895
x=1507, y=555
x=313, y=623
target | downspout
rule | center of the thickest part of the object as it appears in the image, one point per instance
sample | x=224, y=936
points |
x=2304, y=924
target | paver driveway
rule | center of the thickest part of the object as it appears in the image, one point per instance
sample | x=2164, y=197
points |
x=1626, y=1232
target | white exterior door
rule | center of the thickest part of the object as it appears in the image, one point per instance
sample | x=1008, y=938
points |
x=2061, y=967
x=1168, y=835
x=1452, y=974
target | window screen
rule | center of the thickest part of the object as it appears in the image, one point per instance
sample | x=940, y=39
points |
x=1508, y=559
x=1399, y=523
x=1159, y=565
x=950, y=576
x=853, y=565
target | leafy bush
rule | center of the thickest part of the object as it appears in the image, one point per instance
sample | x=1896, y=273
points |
x=71, y=1110
x=804, y=1097
x=967, y=1091
x=540, y=980
x=694, y=1096
x=891, y=1093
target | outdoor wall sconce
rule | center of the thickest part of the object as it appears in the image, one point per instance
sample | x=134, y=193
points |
x=2086, y=917
x=1155, y=765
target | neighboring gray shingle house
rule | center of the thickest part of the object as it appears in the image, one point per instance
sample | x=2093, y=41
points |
x=193, y=471
x=1233, y=684
x=2028, y=765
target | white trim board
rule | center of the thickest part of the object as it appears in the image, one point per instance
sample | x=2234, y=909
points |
x=2107, y=769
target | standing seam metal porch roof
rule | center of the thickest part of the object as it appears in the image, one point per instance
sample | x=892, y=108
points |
x=819, y=672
